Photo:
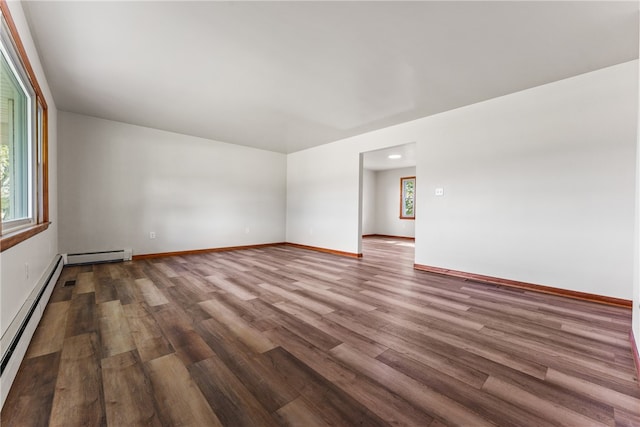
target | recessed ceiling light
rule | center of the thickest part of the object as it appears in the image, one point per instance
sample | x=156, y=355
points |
x=395, y=156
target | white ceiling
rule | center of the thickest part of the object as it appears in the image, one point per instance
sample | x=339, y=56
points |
x=379, y=160
x=285, y=76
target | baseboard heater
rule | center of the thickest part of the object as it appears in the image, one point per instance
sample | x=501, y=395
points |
x=15, y=340
x=97, y=257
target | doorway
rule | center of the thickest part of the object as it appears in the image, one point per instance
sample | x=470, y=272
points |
x=383, y=220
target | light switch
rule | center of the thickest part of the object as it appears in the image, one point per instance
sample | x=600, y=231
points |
x=439, y=191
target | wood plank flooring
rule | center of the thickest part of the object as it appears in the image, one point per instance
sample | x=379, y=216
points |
x=282, y=336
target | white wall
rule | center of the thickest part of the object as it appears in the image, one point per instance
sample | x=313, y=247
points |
x=39, y=251
x=368, y=202
x=23, y=266
x=388, y=220
x=539, y=185
x=119, y=182
x=323, y=196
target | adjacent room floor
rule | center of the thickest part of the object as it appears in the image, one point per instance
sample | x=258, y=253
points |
x=287, y=336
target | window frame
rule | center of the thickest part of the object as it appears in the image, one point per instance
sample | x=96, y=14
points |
x=403, y=197
x=39, y=220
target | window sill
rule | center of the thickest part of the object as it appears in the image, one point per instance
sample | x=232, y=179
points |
x=9, y=240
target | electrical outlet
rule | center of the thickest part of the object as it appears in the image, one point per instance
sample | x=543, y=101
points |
x=152, y=234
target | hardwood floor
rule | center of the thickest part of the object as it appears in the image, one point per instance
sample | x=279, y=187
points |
x=286, y=336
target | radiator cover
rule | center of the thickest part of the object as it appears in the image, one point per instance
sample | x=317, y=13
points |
x=98, y=257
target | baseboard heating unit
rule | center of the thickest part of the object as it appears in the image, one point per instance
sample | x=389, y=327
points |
x=97, y=257
x=16, y=339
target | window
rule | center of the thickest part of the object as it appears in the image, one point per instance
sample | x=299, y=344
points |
x=23, y=142
x=15, y=149
x=408, y=197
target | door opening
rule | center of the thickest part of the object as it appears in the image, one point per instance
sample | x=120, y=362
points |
x=387, y=202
